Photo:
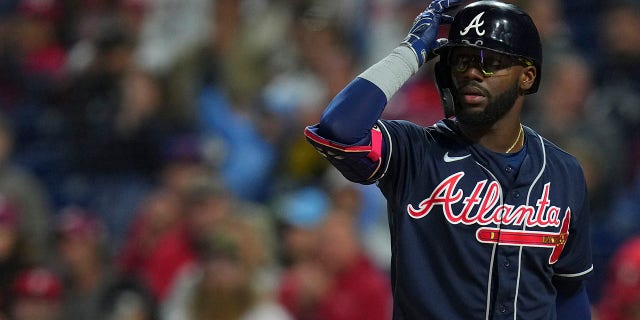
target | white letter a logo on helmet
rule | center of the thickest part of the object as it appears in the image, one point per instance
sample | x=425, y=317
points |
x=475, y=23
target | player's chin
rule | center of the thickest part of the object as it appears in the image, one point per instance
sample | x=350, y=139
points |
x=473, y=107
x=472, y=116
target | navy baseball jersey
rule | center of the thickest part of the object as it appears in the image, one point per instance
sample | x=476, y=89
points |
x=472, y=236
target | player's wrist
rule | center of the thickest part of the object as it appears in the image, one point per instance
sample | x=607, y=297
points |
x=418, y=48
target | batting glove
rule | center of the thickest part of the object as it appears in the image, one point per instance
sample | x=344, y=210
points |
x=422, y=36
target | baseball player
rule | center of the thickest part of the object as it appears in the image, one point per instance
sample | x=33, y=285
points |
x=488, y=219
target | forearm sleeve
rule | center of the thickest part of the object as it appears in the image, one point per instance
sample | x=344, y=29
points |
x=352, y=113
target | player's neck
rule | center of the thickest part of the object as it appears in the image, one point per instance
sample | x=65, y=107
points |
x=503, y=136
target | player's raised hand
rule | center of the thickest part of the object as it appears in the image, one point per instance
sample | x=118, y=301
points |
x=422, y=36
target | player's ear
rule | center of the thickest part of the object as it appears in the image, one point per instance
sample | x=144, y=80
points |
x=528, y=77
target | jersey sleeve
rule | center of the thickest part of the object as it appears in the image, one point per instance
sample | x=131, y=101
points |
x=380, y=155
x=575, y=263
x=359, y=162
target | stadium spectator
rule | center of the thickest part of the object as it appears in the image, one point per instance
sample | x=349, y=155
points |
x=223, y=284
x=15, y=254
x=621, y=292
x=84, y=262
x=37, y=295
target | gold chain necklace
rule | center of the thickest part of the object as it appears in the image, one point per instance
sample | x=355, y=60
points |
x=521, y=132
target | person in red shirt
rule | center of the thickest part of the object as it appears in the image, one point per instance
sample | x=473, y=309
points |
x=343, y=283
x=621, y=294
x=163, y=242
x=37, y=295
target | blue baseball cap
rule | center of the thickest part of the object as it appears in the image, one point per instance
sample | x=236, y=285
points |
x=305, y=208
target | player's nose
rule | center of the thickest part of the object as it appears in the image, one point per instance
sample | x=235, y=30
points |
x=473, y=73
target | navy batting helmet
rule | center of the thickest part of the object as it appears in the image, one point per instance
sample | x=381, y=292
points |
x=496, y=26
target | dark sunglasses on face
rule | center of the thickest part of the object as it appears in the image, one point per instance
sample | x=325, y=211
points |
x=490, y=63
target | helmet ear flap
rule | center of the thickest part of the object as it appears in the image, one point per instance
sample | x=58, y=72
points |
x=445, y=85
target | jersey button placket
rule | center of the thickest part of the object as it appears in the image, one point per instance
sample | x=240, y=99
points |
x=508, y=169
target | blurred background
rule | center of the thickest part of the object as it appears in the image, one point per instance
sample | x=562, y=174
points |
x=153, y=163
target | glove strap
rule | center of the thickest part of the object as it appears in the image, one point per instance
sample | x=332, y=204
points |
x=417, y=46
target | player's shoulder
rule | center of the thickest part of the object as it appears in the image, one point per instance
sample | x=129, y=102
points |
x=554, y=153
x=442, y=128
x=553, y=150
x=400, y=125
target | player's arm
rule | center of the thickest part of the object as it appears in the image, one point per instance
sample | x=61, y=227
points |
x=346, y=134
x=575, y=264
x=572, y=301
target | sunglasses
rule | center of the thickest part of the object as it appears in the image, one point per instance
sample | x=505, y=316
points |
x=490, y=63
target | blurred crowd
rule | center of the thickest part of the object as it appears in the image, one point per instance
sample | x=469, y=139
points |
x=153, y=166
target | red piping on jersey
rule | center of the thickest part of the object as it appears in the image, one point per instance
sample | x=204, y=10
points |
x=376, y=145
